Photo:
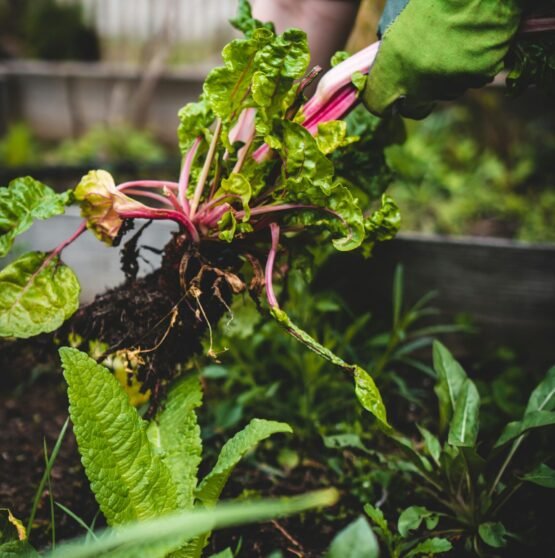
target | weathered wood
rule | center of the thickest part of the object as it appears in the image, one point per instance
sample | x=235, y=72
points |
x=507, y=288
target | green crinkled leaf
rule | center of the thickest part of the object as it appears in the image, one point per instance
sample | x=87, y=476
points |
x=435, y=545
x=542, y=475
x=411, y=519
x=383, y=224
x=332, y=135
x=244, y=21
x=237, y=184
x=359, y=80
x=357, y=540
x=227, y=88
x=278, y=64
x=309, y=180
x=451, y=377
x=36, y=297
x=233, y=450
x=195, y=120
x=463, y=430
x=23, y=201
x=128, y=478
x=175, y=434
x=338, y=57
x=493, y=534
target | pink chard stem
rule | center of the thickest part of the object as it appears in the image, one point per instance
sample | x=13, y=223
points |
x=272, y=300
x=185, y=174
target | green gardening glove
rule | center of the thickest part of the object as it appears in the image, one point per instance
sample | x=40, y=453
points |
x=436, y=49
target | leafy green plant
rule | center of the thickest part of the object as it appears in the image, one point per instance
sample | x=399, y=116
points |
x=140, y=470
x=257, y=176
x=467, y=486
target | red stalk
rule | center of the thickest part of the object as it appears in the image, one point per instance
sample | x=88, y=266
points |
x=185, y=174
x=272, y=300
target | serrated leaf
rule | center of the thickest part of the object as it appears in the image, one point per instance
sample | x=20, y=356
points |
x=411, y=519
x=493, y=534
x=357, y=540
x=233, y=450
x=542, y=475
x=129, y=480
x=463, y=430
x=451, y=377
x=428, y=547
x=175, y=434
x=36, y=295
x=23, y=201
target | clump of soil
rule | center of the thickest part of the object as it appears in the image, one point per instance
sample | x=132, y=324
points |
x=166, y=313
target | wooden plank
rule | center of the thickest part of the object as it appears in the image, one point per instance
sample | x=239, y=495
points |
x=507, y=288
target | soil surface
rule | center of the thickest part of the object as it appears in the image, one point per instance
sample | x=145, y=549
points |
x=31, y=416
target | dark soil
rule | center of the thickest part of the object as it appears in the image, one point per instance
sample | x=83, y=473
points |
x=33, y=415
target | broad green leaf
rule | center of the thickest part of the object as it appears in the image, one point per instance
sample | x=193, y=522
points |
x=411, y=519
x=539, y=410
x=493, y=534
x=535, y=419
x=369, y=395
x=451, y=377
x=24, y=200
x=463, y=430
x=233, y=450
x=357, y=540
x=429, y=547
x=542, y=475
x=175, y=434
x=37, y=295
x=431, y=443
x=338, y=57
x=128, y=478
x=543, y=397
x=158, y=537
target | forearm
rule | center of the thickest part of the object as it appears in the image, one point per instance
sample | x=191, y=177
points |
x=327, y=23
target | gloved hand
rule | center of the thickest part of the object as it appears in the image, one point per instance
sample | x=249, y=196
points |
x=436, y=49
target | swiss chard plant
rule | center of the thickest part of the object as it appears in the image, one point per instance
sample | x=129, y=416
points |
x=141, y=469
x=261, y=178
